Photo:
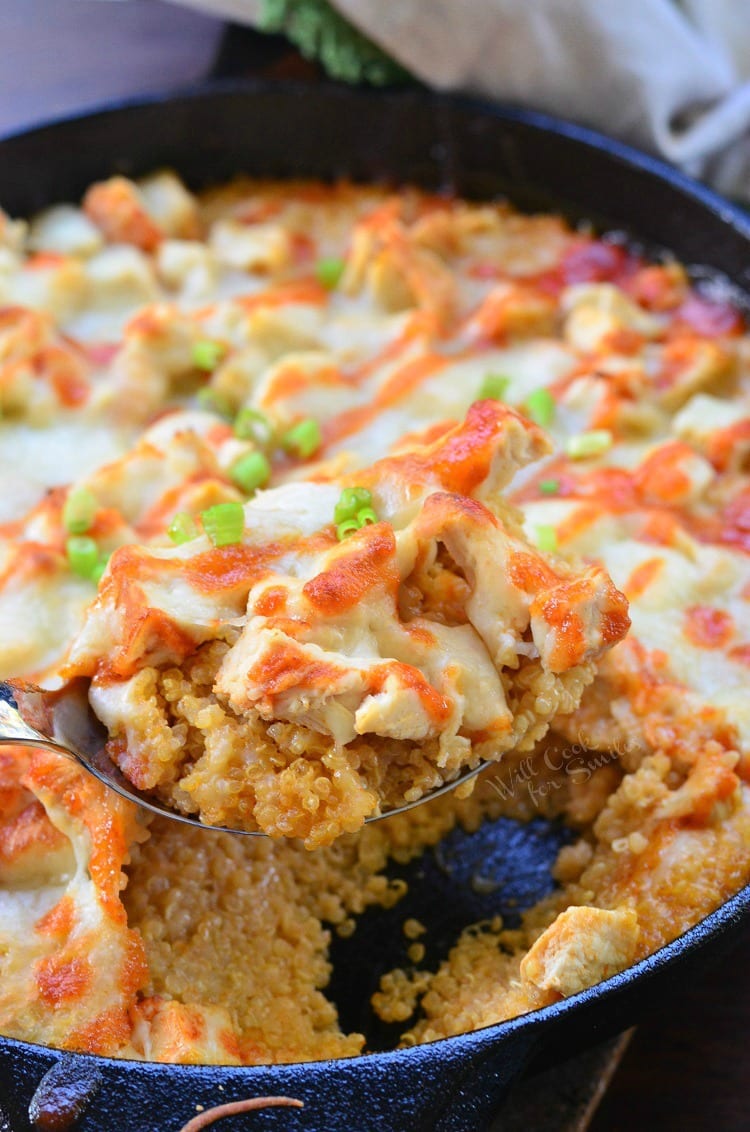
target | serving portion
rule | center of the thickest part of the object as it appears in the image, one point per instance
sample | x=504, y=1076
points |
x=322, y=489
x=329, y=679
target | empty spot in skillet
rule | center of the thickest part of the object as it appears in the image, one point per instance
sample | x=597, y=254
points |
x=501, y=869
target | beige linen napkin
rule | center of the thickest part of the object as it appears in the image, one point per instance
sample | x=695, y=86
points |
x=672, y=76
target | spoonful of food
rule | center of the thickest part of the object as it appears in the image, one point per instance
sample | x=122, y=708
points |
x=62, y=721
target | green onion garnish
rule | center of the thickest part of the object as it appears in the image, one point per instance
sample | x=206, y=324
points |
x=593, y=443
x=494, y=386
x=328, y=272
x=549, y=487
x=183, y=528
x=214, y=402
x=352, y=500
x=348, y=527
x=83, y=555
x=251, y=471
x=224, y=523
x=98, y=571
x=79, y=511
x=250, y=424
x=303, y=439
x=207, y=354
x=354, y=511
x=546, y=539
x=540, y=406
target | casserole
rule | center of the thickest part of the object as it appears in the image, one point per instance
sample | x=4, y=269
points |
x=527, y=148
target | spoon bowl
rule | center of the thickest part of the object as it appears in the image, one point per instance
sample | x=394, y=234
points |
x=62, y=721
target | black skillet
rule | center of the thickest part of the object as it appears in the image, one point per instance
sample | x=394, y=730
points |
x=319, y=131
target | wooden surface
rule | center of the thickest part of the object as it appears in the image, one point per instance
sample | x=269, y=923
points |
x=688, y=1070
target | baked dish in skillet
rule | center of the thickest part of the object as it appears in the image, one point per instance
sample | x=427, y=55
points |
x=331, y=493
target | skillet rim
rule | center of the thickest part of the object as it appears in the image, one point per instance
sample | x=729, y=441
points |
x=726, y=211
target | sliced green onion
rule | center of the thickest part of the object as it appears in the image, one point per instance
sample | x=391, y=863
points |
x=593, y=443
x=183, y=528
x=366, y=517
x=352, y=500
x=545, y=538
x=214, y=402
x=303, y=439
x=251, y=472
x=328, y=271
x=549, y=487
x=207, y=354
x=540, y=406
x=83, y=555
x=348, y=527
x=79, y=511
x=98, y=572
x=494, y=386
x=224, y=523
x=250, y=424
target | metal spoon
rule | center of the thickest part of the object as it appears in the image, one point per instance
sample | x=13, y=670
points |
x=63, y=722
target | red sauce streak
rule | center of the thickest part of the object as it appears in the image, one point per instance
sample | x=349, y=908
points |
x=271, y=601
x=658, y=287
x=437, y=707
x=740, y=654
x=615, y=620
x=285, y=668
x=419, y=324
x=296, y=291
x=570, y=637
x=643, y=576
x=728, y=447
x=530, y=574
x=660, y=477
x=103, y=1034
x=62, y=980
x=398, y=386
x=660, y=527
x=45, y=261
x=708, y=628
x=462, y=460
x=60, y=919
x=227, y=567
x=732, y=528
x=30, y=829
x=370, y=563
x=294, y=379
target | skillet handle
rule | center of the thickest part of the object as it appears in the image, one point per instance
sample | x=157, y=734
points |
x=478, y=1094
x=454, y=1086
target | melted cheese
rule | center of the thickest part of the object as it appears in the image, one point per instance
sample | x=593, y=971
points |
x=69, y=965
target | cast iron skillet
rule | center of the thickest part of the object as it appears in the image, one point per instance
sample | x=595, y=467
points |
x=278, y=130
